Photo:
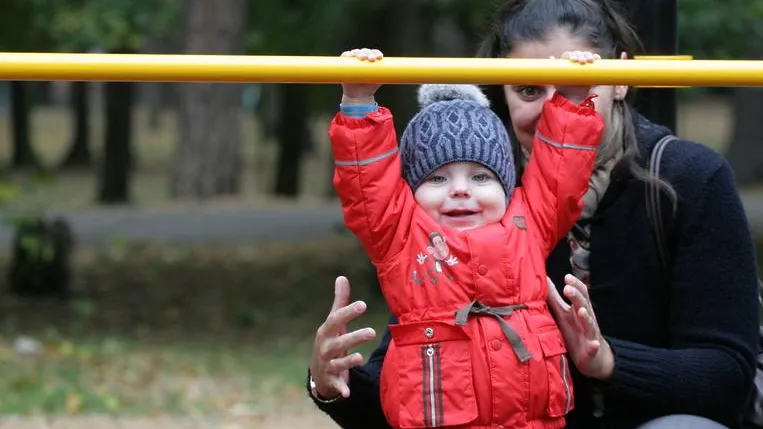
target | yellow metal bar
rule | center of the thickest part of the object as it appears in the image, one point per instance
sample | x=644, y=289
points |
x=390, y=70
x=663, y=57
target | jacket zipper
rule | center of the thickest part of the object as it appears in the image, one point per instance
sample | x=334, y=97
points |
x=432, y=397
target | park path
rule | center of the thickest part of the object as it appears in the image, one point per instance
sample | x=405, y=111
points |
x=240, y=225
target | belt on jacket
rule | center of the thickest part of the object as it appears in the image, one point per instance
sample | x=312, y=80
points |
x=479, y=309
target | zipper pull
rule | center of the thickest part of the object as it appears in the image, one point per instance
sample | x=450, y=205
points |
x=430, y=351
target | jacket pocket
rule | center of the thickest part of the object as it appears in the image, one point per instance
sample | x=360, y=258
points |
x=560, y=395
x=434, y=376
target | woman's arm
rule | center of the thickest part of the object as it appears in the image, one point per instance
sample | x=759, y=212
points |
x=709, y=367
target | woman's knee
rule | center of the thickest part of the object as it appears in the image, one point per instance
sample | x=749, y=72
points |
x=681, y=421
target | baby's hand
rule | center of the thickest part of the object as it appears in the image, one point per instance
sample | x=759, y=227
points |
x=581, y=57
x=577, y=94
x=364, y=54
x=361, y=93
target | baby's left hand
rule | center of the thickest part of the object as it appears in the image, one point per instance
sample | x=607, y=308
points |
x=577, y=94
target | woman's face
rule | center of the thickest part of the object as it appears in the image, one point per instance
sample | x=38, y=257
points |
x=525, y=102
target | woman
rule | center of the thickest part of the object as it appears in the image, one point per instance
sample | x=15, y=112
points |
x=676, y=342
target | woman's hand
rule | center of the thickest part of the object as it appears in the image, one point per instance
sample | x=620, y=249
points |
x=586, y=346
x=331, y=363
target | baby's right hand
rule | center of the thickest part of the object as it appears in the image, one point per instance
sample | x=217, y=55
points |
x=361, y=93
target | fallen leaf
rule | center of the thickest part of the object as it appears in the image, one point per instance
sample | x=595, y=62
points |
x=73, y=403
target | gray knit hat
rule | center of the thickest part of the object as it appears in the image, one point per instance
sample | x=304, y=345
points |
x=455, y=124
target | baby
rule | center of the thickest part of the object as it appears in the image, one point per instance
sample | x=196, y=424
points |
x=460, y=250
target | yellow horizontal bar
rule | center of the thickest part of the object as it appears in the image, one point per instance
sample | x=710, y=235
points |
x=390, y=70
x=664, y=57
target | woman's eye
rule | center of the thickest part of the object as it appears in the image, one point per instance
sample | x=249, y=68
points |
x=529, y=92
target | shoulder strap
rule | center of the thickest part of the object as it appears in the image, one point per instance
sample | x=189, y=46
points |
x=653, y=206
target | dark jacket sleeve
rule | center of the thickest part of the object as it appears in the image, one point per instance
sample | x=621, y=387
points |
x=710, y=363
x=362, y=409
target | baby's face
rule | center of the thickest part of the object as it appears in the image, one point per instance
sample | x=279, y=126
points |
x=462, y=195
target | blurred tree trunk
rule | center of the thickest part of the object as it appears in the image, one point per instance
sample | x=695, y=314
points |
x=407, y=30
x=293, y=135
x=745, y=153
x=208, y=158
x=157, y=96
x=43, y=93
x=152, y=91
x=23, y=152
x=114, y=177
x=79, y=155
x=292, y=130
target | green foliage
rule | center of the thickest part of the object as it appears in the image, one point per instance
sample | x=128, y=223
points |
x=304, y=27
x=716, y=30
x=21, y=24
x=82, y=25
x=109, y=24
x=9, y=191
x=296, y=27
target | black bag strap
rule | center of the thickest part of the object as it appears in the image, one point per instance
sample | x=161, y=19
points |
x=653, y=206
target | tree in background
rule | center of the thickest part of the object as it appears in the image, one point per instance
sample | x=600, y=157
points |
x=732, y=30
x=116, y=26
x=296, y=27
x=208, y=158
x=21, y=30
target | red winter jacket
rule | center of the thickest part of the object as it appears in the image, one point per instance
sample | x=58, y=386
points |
x=502, y=363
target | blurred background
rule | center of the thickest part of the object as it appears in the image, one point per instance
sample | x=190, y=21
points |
x=168, y=250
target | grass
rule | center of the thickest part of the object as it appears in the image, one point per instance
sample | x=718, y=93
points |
x=131, y=378
x=234, y=326
x=126, y=377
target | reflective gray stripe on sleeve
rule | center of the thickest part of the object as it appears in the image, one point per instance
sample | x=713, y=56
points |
x=562, y=145
x=365, y=161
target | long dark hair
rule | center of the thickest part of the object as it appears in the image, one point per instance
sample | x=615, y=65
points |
x=597, y=22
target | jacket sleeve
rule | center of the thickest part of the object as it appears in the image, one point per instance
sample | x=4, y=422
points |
x=709, y=366
x=561, y=162
x=376, y=202
x=362, y=409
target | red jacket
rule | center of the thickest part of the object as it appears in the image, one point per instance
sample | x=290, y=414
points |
x=439, y=371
